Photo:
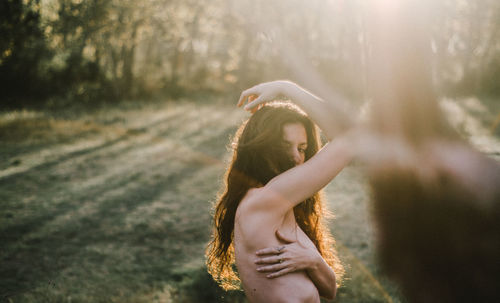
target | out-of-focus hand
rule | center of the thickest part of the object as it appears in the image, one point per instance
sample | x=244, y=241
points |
x=284, y=259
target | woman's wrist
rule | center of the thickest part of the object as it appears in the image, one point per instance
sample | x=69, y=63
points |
x=288, y=89
x=294, y=92
x=315, y=262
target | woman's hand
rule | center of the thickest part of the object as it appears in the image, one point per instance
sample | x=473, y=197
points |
x=287, y=258
x=332, y=117
x=259, y=94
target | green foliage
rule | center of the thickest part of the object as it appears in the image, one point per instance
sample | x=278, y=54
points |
x=91, y=52
x=22, y=51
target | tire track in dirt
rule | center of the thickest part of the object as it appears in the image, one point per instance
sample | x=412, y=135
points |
x=96, y=157
x=113, y=198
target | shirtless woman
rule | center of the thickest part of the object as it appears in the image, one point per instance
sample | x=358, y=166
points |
x=269, y=219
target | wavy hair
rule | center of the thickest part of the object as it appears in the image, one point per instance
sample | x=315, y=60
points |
x=258, y=156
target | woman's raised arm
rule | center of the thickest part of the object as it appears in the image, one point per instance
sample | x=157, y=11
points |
x=329, y=116
x=301, y=182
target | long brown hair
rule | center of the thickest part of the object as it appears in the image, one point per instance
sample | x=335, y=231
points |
x=258, y=157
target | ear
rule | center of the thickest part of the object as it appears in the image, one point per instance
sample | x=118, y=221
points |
x=282, y=238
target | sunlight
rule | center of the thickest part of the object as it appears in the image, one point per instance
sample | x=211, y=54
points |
x=117, y=117
x=389, y=6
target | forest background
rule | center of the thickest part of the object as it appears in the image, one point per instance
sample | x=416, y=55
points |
x=115, y=118
x=102, y=51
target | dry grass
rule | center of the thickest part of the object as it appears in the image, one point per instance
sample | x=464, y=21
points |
x=114, y=206
x=34, y=127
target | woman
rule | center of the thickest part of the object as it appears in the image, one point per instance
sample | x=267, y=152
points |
x=269, y=218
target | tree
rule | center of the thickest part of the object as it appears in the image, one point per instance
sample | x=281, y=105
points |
x=22, y=52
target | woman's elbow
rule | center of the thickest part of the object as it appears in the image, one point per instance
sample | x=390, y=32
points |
x=330, y=293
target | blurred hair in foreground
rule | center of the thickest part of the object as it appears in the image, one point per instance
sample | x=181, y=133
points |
x=436, y=199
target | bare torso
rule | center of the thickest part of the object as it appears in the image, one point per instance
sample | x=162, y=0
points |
x=292, y=287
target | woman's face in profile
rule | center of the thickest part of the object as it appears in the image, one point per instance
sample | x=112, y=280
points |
x=295, y=141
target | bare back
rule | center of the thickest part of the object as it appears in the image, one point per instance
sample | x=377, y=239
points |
x=292, y=287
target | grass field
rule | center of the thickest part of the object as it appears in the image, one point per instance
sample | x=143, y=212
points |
x=113, y=204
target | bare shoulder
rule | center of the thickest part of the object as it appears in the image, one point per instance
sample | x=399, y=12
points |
x=256, y=218
x=261, y=201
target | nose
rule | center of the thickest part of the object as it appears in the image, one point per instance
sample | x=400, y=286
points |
x=297, y=157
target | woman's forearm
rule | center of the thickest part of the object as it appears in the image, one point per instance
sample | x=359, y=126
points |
x=329, y=116
x=332, y=117
x=323, y=277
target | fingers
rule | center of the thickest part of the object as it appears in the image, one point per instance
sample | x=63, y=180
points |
x=270, y=260
x=271, y=250
x=276, y=250
x=252, y=103
x=247, y=93
x=273, y=268
x=242, y=98
x=255, y=98
x=281, y=272
x=283, y=238
x=277, y=270
x=251, y=98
